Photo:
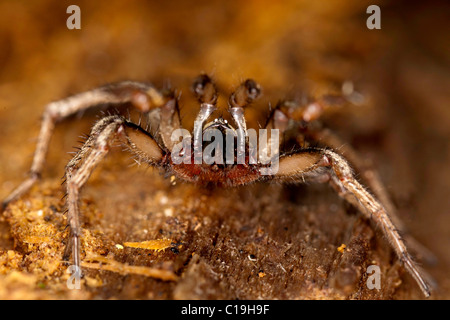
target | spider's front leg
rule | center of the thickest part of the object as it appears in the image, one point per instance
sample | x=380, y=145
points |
x=142, y=96
x=374, y=182
x=314, y=163
x=139, y=142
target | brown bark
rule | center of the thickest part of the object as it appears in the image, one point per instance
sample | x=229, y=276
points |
x=261, y=241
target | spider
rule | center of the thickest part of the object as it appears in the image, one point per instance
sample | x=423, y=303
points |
x=291, y=120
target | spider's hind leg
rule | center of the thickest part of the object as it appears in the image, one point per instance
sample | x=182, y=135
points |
x=78, y=170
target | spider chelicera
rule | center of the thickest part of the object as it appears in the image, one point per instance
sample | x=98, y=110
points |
x=289, y=119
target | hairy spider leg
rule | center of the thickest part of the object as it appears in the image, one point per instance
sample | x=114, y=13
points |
x=142, y=96
x=311, y=163
x=373, y=180
x=289, y=112
x=139, y=142
x=307, y=114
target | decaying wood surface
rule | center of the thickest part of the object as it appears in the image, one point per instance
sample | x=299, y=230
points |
x=255, y=242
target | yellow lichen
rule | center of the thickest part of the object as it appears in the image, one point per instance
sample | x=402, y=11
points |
x=341, y=249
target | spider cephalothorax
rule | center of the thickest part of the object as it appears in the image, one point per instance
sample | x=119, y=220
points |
x=217, y=152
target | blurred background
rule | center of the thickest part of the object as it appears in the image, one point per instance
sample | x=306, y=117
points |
x=292, y=48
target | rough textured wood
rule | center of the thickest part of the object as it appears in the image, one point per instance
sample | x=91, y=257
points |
x=270, y=242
